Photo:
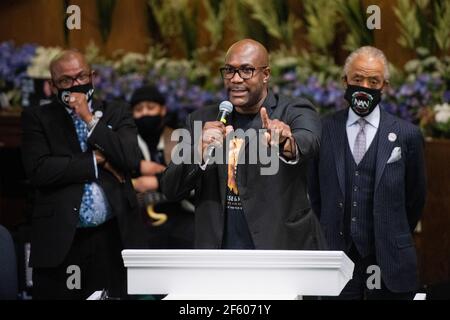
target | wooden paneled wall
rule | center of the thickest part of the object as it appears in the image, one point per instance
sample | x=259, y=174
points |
x=42, y=21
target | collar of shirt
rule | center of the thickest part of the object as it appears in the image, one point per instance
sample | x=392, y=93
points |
x=373, y=118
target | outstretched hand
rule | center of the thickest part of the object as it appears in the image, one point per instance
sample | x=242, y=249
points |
x=278, y=133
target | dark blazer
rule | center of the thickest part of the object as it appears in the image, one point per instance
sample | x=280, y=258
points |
x=276, y=206
x=398, y=198
x=58, y=170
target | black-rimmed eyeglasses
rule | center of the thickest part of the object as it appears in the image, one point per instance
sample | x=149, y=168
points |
x=244, y=72
x=67, y=82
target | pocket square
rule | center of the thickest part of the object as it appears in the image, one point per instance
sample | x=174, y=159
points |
x=395, y=155
x=110, y=127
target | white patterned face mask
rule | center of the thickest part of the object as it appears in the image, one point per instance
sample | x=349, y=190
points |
x=64, y=94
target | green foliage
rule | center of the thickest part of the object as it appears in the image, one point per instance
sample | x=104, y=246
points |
x=105, y=9
x=408, y=23
x=92, y=54
x=216, y=11
x=321, y=18
x=354, y=16
x=188, y=19
x=321, y=66
x=422, y=4
x=283, y=60
x=176, y=20
x=276, y=17
x=305, y=64
x=243, y=26
x=441, y=30
x=424, y=24
x=427, y=64
x=166, y=16
x=397, y=76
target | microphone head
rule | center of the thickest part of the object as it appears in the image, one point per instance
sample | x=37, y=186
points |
x=226, y=106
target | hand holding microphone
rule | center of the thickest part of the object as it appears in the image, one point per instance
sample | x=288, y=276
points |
x=214, y=132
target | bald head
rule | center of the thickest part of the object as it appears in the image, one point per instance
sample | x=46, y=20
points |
x=249, y=49
x=69, y=68
x=246, y=75
x=71, y=58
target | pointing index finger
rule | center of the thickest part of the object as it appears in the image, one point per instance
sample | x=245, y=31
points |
x=264, y=118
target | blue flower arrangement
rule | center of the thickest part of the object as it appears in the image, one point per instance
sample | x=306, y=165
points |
x=14, y=62
x=416, y=97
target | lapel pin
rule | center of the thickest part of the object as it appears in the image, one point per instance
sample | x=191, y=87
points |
x=392, y=137
x=98, y=114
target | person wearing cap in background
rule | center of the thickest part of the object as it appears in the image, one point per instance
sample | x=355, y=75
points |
x=170, y=224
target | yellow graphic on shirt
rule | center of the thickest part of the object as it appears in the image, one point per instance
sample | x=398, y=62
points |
x=233, y=155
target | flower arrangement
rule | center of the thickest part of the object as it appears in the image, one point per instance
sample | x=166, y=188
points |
x=13, y=68
x=442, y=118
x=420, y=93
x=40, y=63
x=436, y=121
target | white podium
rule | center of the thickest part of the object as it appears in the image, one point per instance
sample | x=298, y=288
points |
x=237, y=274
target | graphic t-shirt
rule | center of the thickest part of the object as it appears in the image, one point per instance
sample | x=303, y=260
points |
x=236, y=234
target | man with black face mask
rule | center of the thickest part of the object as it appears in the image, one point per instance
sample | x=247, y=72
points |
x=368, y=184
x=170, y=223
x=80, y=155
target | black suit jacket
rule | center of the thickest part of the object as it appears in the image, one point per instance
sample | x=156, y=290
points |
x=398, y=199
x=276, y=206
x=58, y=170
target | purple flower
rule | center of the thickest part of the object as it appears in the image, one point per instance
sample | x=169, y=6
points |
x=446, y=96
x=405, y=90
x=289, y=76
x=389, y=107
x=14, y=62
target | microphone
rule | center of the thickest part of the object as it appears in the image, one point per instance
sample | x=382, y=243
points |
x=225, y=109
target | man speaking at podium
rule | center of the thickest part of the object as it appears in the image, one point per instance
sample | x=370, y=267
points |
x=238, y=204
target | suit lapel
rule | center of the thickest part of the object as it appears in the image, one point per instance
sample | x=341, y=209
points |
x=65, y=127
x=97, y=106
x=338, y=131
x=385, y=147
x=270, y=104
x=222, y=173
